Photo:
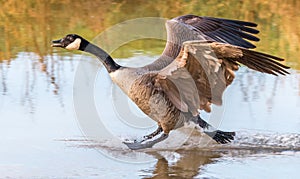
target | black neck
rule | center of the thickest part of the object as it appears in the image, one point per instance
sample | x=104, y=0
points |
x=106, y=59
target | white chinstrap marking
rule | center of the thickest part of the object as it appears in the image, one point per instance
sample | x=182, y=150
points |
x=74, y=45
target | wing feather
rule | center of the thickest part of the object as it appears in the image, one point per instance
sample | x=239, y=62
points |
x=202, y=71
x=192, y=27
x=209, y=28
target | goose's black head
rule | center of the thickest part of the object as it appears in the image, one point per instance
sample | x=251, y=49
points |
x=71, y=42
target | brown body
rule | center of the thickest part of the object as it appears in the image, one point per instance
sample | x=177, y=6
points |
x=154, y=103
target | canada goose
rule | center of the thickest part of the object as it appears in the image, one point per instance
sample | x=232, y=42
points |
x=196, y=66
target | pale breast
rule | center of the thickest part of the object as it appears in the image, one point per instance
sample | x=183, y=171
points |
x=126, y=77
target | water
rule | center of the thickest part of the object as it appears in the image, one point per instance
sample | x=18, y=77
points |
x=44, y=135
x=42, y=138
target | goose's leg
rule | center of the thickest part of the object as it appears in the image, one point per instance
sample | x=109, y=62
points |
x=148, y=141
x=218, y=135
x=156, y=132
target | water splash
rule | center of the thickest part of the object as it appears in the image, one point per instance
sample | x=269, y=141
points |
x=244, y=140
x=287, y=141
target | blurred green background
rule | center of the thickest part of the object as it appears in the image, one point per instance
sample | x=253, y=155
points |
x=29, y=26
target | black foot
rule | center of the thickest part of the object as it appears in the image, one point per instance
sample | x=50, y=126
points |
x=135, y=145
x=221, y=137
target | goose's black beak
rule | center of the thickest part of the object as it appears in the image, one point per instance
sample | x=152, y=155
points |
x=57, y=43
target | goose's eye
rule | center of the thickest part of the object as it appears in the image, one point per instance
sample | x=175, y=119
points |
x=70, y=38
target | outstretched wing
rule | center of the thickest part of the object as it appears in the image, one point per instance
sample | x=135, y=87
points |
x=233, y=32
x=202, y=71
x=191, y=27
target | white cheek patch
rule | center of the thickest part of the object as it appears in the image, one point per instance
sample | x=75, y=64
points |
x=74, y=45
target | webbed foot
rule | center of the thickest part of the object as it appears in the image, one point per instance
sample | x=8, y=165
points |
x=221, y=137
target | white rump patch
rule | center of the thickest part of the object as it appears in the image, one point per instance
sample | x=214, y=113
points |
x=74, y=45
